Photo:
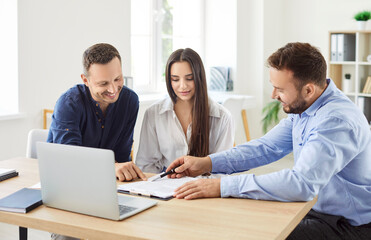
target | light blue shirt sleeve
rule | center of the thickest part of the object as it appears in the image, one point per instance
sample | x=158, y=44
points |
x=273, y=146
x=312, y=170
x=331, y=142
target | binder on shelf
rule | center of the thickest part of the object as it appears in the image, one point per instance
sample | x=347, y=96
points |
x=334, y=43
x=361, y=103
x=346, y=47
x=364, y=103
x=367, y=86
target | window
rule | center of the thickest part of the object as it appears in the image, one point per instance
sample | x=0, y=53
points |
x=9, y=57
x=158, y=27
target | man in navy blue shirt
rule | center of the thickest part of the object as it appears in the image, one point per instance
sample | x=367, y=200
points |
x=100, y=113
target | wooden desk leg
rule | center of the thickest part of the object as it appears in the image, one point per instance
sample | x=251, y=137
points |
x=22, y=233
x=245, y=124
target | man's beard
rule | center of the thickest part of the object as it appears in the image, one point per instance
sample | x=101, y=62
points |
x=297, y=107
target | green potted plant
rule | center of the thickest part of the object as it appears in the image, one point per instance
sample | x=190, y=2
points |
x=270, y=114
x=362, y=18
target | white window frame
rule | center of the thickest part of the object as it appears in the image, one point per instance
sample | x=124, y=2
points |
x=155, y=82
x=9, y=98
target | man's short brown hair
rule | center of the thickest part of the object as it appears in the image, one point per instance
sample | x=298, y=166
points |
x=304, y=60
x=100, y=53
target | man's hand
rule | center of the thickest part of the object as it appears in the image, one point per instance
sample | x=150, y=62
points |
x=128, y=171
x=201, y=188
x=190, y=166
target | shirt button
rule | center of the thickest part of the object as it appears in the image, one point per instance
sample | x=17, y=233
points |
x=99, y=120
x=96, y=113
x=102, y=126
x=96, y=104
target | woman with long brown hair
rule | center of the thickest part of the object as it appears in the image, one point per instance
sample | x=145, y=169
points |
x=185, y=123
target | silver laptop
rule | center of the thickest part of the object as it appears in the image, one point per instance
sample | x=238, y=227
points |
x=83, y=180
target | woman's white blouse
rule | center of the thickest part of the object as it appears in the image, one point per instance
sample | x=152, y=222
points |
x=162, y=139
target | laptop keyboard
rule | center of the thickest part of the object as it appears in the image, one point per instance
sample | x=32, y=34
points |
x=125, y=209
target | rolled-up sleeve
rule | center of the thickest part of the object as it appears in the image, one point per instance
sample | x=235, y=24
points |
x=66, y=118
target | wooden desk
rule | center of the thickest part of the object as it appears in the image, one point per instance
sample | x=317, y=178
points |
x=216, y=218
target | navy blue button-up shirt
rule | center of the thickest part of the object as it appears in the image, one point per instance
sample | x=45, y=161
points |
x=78, y=120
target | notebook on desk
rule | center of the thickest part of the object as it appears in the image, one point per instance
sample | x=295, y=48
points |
x=83, y=180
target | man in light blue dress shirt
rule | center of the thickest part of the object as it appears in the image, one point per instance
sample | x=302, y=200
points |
x=331, y=141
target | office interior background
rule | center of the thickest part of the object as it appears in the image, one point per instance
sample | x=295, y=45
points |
x=241, y=34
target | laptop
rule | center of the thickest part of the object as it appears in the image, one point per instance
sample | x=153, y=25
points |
x=83, y=180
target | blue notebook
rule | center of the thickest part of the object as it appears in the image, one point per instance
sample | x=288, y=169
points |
x=21, y=201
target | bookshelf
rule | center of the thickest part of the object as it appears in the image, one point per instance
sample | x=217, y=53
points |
x=358, y=68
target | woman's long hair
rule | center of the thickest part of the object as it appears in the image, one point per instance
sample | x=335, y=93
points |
x=199, y=143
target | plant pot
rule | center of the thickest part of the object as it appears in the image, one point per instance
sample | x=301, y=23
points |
x=361, y=25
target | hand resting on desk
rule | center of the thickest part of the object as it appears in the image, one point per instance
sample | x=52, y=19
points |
x=201, y=188
x=194, y=166
x=128, y=171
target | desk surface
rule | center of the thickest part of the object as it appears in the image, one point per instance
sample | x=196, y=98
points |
x=215, y=218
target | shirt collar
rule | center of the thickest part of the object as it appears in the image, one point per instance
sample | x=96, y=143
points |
x=167, y=106
x=319, y=102
x=96, y=104
x=87, y=92
x=214, y=109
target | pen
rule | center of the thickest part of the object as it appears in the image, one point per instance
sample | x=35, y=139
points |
x=164, y=174
x=167, y=173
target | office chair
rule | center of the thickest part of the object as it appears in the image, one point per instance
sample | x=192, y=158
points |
x=46, y=113
x=236, y=106
x=35, y=135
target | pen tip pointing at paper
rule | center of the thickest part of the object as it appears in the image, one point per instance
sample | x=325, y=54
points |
x=154, y=178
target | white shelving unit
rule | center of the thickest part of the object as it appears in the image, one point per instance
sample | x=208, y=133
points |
x=359, y=69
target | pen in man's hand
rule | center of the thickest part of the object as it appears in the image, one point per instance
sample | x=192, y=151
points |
x=164, y=174
x=167, y=173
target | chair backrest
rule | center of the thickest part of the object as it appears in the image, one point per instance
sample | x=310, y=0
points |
x=235, y=105
x=46, y=115
x=35, y=135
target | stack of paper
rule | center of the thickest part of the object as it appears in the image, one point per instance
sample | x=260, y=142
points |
x=7, y=173
x=162, y=188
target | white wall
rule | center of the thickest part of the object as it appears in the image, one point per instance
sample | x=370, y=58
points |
x=310, y=21
x=250, y=60
x=307, y=21
x=284, y=21
x=52, y=38
x=220, y=34
x=274, y=34
x=263, y=27
x=54, y=34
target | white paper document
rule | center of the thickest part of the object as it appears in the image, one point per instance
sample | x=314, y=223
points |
x=36, y=186
x=162, y=188
x=5, y=171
